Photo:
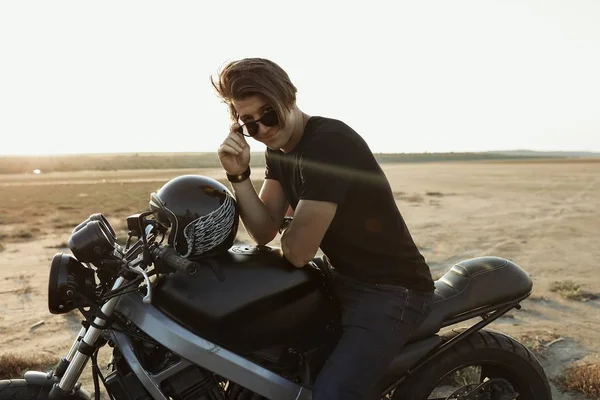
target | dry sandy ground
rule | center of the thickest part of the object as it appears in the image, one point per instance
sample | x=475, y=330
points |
x=543, y=216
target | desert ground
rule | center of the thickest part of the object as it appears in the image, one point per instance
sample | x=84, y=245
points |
x=545, y=216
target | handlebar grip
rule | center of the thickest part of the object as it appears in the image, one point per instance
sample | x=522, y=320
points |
x=170, y=257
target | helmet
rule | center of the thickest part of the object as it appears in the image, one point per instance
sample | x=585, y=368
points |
x=201, y=213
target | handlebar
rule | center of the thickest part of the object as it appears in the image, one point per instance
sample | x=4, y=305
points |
x=171, y=258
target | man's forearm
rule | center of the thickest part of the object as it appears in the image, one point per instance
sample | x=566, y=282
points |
x=257, y=220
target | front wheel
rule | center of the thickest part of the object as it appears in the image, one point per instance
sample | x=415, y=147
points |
x=20, y=389
x=500, y=366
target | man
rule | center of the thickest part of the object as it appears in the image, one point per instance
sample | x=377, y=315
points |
x=342, y=202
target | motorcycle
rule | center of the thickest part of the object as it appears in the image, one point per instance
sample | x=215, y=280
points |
x=246, y=324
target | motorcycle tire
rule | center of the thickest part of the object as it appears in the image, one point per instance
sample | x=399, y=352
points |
x=499, y=356
x=19, y=389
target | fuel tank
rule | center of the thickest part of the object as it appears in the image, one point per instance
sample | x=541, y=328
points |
x=249, y=298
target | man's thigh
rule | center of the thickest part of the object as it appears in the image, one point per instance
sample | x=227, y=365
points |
x=377, y=321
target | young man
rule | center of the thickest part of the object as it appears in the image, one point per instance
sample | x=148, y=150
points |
x=342, y=203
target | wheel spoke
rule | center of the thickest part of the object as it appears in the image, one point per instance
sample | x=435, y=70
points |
x=453, y=382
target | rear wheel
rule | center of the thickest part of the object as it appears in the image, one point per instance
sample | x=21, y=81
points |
x=500, y=366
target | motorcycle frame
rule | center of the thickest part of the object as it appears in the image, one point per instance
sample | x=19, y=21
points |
x=198, y=351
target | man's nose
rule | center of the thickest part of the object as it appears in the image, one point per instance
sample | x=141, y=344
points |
x=262, y=129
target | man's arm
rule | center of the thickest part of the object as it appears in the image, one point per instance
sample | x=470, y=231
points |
x=302, y=239
x=262, y=214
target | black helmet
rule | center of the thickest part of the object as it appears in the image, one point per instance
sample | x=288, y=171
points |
x=201, y=213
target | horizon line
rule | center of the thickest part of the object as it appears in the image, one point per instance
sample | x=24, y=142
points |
x=589, y=152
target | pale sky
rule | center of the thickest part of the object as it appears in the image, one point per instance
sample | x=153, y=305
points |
x=409, y=76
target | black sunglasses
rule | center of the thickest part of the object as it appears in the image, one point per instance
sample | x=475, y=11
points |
x=250, y=128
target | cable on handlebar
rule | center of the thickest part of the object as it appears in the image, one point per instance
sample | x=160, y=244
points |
x=123, y=289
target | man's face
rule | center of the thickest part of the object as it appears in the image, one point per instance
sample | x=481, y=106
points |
x=252, y=109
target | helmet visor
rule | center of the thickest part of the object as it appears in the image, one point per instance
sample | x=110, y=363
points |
x=164, y=216
x=161, y=213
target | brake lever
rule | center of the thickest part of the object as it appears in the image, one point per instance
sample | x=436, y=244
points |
x=138, y=270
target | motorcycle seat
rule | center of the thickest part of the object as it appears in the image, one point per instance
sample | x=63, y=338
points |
x=472, y=285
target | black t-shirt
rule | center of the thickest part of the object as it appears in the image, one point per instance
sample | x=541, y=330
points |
x=368, y=238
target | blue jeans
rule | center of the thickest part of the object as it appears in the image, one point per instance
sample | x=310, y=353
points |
x=377, y=321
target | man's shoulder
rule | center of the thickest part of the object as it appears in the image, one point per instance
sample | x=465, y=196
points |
x=322, y=130
x=333, y=134
x=325, y=124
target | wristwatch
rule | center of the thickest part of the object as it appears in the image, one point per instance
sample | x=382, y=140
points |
x=240, y=177
x=287, y=222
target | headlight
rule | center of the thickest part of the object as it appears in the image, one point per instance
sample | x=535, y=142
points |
x=68, y=279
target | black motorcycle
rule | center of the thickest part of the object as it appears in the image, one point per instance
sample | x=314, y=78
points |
x=246, y=324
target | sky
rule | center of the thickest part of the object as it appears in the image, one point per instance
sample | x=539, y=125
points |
x=408, y=76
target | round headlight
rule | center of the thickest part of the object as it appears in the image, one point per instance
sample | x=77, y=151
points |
x=68, y=277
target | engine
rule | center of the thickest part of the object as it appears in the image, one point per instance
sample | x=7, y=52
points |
x=189, y=383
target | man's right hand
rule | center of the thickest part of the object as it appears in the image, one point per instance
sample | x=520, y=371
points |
x=234, y=152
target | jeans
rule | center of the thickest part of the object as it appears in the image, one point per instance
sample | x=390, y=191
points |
x=377, y=320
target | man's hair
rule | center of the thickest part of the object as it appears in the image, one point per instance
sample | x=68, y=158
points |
x=255, y=76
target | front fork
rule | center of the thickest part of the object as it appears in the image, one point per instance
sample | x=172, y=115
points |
x=81, y=350
x=61, y=368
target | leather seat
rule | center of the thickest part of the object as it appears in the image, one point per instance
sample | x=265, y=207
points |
x=471, y=285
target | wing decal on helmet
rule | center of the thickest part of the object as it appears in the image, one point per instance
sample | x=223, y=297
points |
x=210, y=230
